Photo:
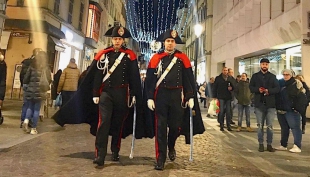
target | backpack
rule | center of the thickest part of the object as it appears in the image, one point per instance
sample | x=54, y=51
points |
x=44, y=84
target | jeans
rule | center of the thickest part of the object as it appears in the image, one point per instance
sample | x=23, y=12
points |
x=247, y=114
x=265, y=114
x=225, y=107
x=290, y=120
x=33, y=111
x=24, y=109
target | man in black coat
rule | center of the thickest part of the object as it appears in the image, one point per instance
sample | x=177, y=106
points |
x=116, y=79
x=3, y=71
x=169, y=85
x=222, y=88
x=112, y=93
x=265, y=86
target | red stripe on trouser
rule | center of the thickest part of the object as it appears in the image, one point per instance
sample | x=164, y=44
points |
x=156, y=131
x=121, y=132
x=99, y=122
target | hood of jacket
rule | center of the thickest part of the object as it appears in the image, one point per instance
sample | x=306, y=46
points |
x=72, y=66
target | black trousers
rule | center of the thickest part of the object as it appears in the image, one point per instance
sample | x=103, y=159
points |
x=303, y=116
x=168, y=111
x=113, y=111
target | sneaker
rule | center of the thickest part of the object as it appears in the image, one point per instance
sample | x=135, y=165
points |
x=221, y=129
x=34, y=131
x=249, y=129
x=295, y=149
x=229, y=129
x=232, y=123
x=25, y=125
x=238, y=129
x=281, y=148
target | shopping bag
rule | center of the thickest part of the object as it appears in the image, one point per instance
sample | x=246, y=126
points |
x=213, y=107
x=58, y=101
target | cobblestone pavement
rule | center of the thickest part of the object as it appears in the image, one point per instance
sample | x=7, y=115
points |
x=70, y=153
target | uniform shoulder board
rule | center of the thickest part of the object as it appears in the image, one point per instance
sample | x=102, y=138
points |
x=161, y=51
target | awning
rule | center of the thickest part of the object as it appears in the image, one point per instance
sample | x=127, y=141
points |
x=5, y=36
x=91, y=42
x=58, y=44
x=20, y=24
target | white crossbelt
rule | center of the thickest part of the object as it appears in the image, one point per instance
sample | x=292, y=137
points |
x=173, y=61
x=116, y=63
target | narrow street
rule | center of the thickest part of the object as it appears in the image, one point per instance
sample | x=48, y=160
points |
x=69, y=151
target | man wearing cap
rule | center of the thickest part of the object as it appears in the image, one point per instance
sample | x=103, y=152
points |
x=116, y=78
x=265, y=86
x=170, y=90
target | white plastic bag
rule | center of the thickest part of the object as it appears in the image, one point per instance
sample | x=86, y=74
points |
x=213, y=107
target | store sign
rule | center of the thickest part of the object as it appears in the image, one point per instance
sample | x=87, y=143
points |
x=20, y=34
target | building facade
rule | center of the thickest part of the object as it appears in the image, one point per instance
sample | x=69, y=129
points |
x=200, y=12
x=244, y=31
x=56, y=26
x=2, y=19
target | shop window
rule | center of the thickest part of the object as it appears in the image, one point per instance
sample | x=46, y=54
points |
x=81, y=16
x=93, y=25
x=70, y=11
x=20, y=3
x=56, y=6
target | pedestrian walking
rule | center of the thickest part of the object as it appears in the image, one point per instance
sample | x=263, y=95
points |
x=203, y=97
x=36, y=83
x=3, y=72
x=170, y=83
x=208, y=93
x=55, y=82
x=68, y=82
x=233, y=97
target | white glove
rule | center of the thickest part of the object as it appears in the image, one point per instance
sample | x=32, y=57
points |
x=96, y=100
x=191, y=103
x=151, y=104
x=133, y=100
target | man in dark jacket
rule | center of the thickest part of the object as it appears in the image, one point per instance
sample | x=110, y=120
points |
x=222, y=91
x=233, y=103
x=25, y=65
x=3, y=70
x=265, y=86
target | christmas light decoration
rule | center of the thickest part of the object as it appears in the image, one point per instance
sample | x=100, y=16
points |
x=147, y=19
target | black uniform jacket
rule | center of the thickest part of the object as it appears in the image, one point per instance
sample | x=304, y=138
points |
x=81, y=109
x=180, y=75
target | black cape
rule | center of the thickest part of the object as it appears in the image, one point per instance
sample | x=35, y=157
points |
x=81, y=109
x=198, y=126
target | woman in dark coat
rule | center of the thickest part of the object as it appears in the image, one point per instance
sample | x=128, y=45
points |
x=55, y=84
x=3, y=70
x=36, y=84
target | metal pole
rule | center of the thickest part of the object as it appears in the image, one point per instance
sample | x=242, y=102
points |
x=196, y=57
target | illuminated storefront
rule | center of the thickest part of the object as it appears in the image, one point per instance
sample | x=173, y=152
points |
x=280, y=59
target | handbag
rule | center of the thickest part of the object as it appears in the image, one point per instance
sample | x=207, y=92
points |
x=58, y=101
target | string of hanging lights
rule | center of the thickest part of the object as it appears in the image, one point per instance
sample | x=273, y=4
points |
x=147, y=19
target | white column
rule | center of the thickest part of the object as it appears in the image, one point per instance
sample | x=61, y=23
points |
x=305, y=48
x=209, y=25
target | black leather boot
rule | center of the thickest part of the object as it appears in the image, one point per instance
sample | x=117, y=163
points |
x=159, y=166
x=172, y=154
x=270, y=148
x=99, y=161
x=261, y=148
x=115, y=156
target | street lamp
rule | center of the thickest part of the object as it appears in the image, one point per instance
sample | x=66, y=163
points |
x=198, y=30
